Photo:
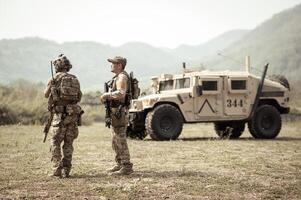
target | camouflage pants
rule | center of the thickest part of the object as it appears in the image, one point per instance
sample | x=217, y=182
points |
x=63, y=134
x=119, y=143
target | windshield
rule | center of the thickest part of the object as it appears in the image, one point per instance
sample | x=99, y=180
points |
x=182, y=83
x=166, y=85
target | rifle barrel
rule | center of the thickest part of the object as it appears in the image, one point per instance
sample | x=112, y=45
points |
x=51, y=70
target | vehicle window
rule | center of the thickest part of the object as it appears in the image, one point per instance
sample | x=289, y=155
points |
x=183, y=83
x=238, y=84
x=166, y=85
x=209, y=85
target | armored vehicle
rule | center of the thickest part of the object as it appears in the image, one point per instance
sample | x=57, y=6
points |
x=228, y=99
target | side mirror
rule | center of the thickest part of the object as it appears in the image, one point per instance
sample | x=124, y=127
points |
x=197, y=91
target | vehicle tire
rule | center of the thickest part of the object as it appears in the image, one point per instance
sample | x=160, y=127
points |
x=135, y=134
x=266, y=122
x=165, y=122
x=281, y=79
x=229, y=130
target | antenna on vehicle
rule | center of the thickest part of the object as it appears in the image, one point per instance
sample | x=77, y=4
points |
x=248, y=64
x=230, y=58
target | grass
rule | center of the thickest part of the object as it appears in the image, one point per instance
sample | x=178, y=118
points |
x=197, y=166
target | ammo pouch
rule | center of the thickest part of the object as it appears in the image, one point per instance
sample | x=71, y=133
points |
x=67, y=114
x=119, y=117
x=58, y=115
x=116, y=103
x=73, y=114
x=59, y=109
x=54, y=93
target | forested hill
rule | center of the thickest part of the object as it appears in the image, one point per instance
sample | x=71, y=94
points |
x=29, y=58
x=277, y=41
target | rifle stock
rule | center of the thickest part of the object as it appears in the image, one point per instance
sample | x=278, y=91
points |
x=47, y=126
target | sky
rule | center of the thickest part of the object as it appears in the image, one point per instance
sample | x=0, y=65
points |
x=161, y=23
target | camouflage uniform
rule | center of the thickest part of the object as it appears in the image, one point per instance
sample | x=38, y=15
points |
x=64, y=126
x=116, y=96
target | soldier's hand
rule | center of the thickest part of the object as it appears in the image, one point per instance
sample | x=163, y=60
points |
x=52, y=82
x=104, y=97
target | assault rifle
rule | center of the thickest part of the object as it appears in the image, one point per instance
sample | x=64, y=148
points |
x=49, y=120
x=107, y=107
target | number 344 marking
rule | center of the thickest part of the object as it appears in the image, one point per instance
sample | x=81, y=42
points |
x=235, y=103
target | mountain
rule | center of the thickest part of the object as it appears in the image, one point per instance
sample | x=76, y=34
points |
x=210, y=48
x=277, y=41
x=29, y=58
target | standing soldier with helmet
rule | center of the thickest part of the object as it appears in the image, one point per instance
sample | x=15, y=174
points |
x=118, y=98
x=64, y=94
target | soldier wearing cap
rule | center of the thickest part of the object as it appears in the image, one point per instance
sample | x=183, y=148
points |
x=117, y=96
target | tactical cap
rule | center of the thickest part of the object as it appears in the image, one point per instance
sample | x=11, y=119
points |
x=118, y=59
x=62, y=62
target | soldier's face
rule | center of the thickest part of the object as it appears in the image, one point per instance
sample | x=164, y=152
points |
x=115, y=67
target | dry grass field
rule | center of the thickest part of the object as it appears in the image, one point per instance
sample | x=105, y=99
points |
x=197, y=166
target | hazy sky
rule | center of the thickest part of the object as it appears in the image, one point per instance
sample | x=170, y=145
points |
x=164, y=23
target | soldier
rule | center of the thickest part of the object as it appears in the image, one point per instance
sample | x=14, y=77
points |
x=63, y=91
x=117, y=96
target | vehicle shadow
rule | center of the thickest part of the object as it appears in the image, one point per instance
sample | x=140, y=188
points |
x=238, y=139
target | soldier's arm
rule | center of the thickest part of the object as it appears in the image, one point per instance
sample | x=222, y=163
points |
x=47, y=90
x=119, y=94
x=80, y=94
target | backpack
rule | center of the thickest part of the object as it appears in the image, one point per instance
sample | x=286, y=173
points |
x=68, y=88
x=133, y=91
x=134, y=87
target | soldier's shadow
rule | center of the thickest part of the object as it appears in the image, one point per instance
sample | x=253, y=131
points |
x=145, y=174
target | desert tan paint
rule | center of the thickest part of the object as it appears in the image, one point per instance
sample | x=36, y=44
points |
x=220, y=105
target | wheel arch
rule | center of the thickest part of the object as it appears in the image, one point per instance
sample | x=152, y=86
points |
x=170, y=103
x=274, y=103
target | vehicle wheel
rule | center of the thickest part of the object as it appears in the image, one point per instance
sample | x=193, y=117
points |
x=281, y=79
x=266, y=122
x=135, y=134
x=165, y=122
x=231, y=130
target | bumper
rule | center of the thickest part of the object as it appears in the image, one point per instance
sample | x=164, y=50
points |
x=285, y=110
x=137, y=121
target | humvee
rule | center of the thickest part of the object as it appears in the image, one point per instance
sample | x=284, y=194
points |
x=228, y=99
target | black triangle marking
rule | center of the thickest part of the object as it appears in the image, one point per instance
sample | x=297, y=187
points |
x=206, y=101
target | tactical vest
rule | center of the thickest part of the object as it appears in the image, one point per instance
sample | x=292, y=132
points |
x=122, y=102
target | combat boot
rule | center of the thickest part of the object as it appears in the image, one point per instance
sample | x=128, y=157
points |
x=57, y=173
x=124, y=171
x=65, y=173
x=114, y=169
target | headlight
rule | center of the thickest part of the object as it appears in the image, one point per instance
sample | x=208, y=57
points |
x=137, y=105
x=149, y=102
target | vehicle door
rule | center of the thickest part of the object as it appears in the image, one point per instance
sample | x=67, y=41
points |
x=208, y=105
x=183, y=91
x=236, y=102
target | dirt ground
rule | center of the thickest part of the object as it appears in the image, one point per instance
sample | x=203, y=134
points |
x=196, y=166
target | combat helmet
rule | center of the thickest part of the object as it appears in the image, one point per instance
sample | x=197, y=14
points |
x=62, y=62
